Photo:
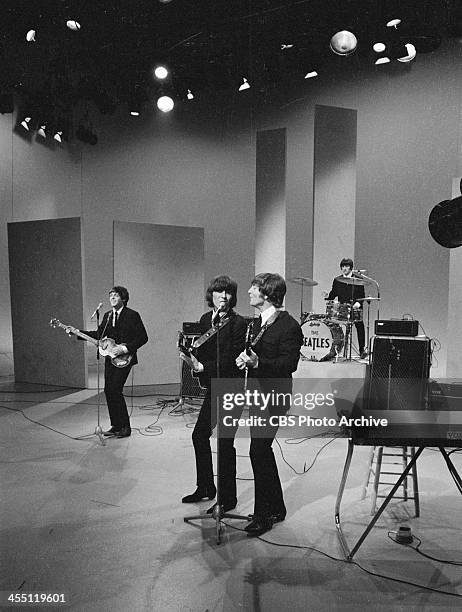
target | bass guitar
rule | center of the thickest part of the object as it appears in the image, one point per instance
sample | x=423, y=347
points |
x=106, y=346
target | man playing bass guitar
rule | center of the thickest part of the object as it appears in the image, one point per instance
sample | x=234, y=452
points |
x=126, y=328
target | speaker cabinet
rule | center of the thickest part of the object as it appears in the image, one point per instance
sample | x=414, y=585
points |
x=398, y=374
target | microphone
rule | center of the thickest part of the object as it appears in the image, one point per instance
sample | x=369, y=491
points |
x=359, y=271
x=96, y=310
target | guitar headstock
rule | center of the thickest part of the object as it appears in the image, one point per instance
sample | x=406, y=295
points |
x=55, y=323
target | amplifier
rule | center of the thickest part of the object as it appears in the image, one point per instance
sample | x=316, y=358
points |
x=396, y=327
x=192, y=328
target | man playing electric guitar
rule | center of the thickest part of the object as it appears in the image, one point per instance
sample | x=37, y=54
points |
x=126, y=328
x=222, y=326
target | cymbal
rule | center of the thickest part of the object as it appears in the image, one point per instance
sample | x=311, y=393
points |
x=303, y=280
x=353, y=280
x=369, y=299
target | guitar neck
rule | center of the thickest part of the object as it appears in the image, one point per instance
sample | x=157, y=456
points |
x=80, y=334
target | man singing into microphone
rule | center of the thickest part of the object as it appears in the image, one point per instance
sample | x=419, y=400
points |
x=126, y=328
x=228, y=332
x=349, y=294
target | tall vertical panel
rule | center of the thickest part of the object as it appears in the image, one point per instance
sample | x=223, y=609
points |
x=45, y=260
x=162, y=267
x=270, y=233
x=334, y=194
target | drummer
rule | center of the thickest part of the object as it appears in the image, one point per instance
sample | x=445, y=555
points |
x=349, y=294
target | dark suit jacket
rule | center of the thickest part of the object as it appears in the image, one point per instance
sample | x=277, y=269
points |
x=278, y=353
x=129, y=330
x=231, y=344
x=345, y=293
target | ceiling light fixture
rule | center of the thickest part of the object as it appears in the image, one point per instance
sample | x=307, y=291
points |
x=41, y=131
x=379, y=47
x=393, y=23
x=190, y=95
x=411, y=53
x=165, y=104
x=58, y=136
x=30, y=36
x=244, y=85
x=25, y=123
x=310, y=75
x=160, y=72
x=73, y=25
x=343, y=43
x=382, y=60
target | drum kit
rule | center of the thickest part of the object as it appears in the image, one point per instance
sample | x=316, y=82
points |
x=326, y=334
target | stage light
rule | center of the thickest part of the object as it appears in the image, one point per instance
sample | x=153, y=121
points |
x=73, y=25
x=382, y=60
x=160, y=72
x=41, y=131
x=393, y=23
x=26, y=123
x=135, y=113
x=379, y=47
x=190, y=95
x=58, y=136
x=165, y=104
x=30, y=36
x=244, y=84
x=310, y=75
x=411, y=53
x=445, y=223
x=343, y=43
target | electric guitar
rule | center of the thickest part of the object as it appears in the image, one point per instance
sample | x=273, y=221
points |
x=186, y=346
x=106, y=346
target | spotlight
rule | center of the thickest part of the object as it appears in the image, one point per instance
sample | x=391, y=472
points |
x=190, y=95
x=343, y=43
x=382, y=60
x=73, y=25
x=411, y=53
x=244, y=84
x=135, y=113
x=310, y=75
x=160, y=72
x=393, y=23
x=30, y=36
x=165, y=104
x=58, y=136
x=26, y=123
x=379, y=47
x=41, y=131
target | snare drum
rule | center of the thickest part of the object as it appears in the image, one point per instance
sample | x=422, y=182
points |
x=322, y=340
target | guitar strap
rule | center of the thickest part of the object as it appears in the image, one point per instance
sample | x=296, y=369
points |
x=210, y=333
x=270, y=321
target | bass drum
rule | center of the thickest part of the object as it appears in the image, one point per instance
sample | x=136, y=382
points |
x=322, y=340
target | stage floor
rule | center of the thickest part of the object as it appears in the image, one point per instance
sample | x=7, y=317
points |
x=104, y=524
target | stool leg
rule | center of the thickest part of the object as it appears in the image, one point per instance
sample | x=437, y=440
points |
x=378, y=467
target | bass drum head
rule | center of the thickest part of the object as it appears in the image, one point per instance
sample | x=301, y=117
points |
x=321, y=340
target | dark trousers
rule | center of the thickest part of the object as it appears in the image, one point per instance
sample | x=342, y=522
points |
x=114, y=381
x=361, y=335
x=206, y=422
x=268, y=491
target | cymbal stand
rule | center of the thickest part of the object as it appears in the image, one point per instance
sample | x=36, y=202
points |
x=218, y=513
x=373, y=281
x=301, y=303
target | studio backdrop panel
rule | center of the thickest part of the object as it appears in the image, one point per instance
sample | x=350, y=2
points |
x=45, y=259
x=162, y=266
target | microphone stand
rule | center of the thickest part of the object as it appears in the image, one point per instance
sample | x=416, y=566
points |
x=98, y=428
x=217, y=513
x=374, y=282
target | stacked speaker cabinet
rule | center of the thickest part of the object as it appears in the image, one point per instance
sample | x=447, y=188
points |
x=398, y=374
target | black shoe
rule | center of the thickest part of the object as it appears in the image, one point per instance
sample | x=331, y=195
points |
x=363, y=354
x=259, y=526
x=111, y=432
x=199, y=494
x=227, y=506
x=124, y=432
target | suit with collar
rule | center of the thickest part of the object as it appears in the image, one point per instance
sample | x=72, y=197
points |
x=129, y=330
x=231, y=339
x=278, y=352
